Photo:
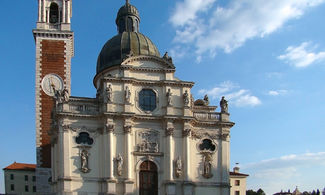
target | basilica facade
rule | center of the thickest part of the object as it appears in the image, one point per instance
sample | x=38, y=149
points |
x=143, y=133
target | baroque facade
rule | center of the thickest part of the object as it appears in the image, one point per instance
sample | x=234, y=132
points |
x=142, y=134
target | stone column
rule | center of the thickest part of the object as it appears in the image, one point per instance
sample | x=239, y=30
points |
x=225, y=160
x=186, y=153
x=64, y=152
x=39, y=10
x=128, y=160
x=110, y=130
x=169, y=163
x=64, y=11
x=43, y=11
x=169, y=153
x=109, y=160
x=69, y=11
x=127, y=132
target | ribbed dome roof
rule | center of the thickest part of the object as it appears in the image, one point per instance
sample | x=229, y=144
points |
x=129, y=42
x=117, y=49
x=127, y=10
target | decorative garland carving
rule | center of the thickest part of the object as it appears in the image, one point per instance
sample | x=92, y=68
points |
x=187, y=132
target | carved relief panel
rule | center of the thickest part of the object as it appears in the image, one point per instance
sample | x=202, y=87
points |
x=147, y=141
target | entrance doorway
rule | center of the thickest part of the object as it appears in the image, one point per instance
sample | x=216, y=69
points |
x=148, y=178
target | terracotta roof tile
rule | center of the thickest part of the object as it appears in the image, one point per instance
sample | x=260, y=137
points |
x=238, y=174
x=21, y=166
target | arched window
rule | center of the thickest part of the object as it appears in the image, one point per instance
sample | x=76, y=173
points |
x=130, y=25
x=54, y=13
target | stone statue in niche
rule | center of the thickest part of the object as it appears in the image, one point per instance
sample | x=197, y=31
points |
x=207, y=165
x=224, y=104
x=186, y=98
x=169, y=97
x=84, y=161
x=127, y=94
x=148, y=141
x=178, y=167
x=119, y=164
x=109, y=93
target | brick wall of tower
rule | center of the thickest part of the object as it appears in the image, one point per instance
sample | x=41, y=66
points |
x=52, y=61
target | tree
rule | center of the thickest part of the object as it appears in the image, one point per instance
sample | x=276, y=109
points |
x=260, y=192
x=250, y=192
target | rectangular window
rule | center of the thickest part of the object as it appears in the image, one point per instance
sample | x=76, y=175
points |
x=34, y=188
x=26, y=177
x=237, y=182
x=12, y=187
x=12, y=177
x=34, y=178
x=237, y=193
x=26, y=188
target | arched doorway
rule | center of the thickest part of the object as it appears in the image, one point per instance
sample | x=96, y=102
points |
x=148, y=179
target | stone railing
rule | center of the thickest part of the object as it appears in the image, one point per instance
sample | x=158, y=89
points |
x=215, y=116
x=82, y=106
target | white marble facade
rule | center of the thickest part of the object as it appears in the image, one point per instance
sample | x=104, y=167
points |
x=98, y=144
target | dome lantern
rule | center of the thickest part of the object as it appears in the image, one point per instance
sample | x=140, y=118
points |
x=128, y=18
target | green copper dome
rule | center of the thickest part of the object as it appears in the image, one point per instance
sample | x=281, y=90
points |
x=122, y=45
x=128, y=42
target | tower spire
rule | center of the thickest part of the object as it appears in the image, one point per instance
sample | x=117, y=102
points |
x=127, y=2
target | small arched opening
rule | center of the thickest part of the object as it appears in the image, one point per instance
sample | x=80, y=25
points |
x=148, y=176
x=54, y=13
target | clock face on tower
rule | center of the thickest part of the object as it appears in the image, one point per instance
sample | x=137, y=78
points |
x=51, y=82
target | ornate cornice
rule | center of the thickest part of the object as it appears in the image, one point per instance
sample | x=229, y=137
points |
x=149, y=82
x=52, y=34
x=145, y=69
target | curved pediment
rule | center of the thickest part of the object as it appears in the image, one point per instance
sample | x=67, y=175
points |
x=148, y=62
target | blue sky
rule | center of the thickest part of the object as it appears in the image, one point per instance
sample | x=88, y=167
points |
x=266, y=57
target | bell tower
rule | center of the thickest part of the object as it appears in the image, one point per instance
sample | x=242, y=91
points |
x=54, y=50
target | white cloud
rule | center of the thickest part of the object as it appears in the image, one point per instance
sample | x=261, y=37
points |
x=187, y=11
x=233, y=93
x=277, y=92
x=273, y=75
x=303, y=55
x=210, y=26
x=286, y=172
